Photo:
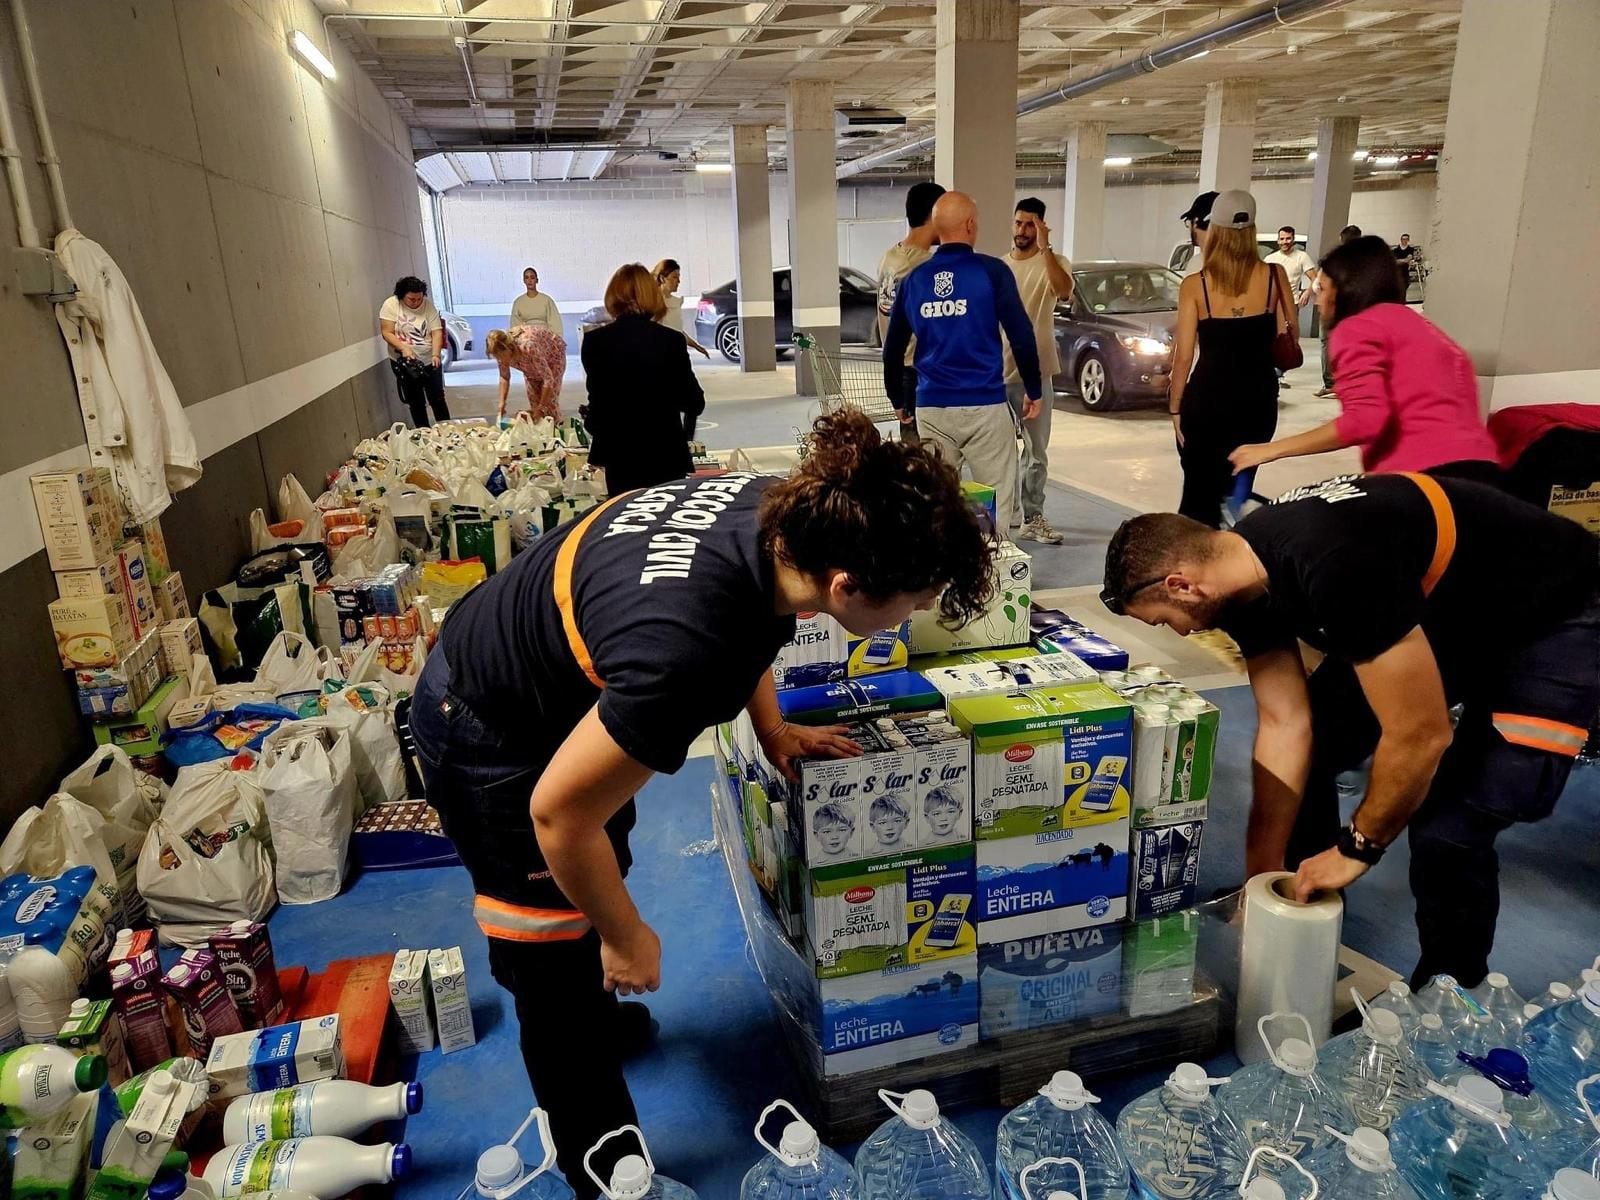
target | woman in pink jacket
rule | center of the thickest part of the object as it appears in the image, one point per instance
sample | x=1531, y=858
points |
x=1408, y=395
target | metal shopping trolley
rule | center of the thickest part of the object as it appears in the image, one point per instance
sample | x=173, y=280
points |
x=849, y=379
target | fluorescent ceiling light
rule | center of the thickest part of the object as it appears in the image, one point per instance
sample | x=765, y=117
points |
x=307, y=49
x=1312, y=157
x=1360, y=156
x=1387, y=160
x=1121, y=160
x=714, y=168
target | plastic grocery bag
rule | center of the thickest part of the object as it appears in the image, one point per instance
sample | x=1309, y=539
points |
x=207, y=860
x=294, y=504
x=365, y=711
x=308, y=787
x=292, y=664
x=65, y=833
x=221, y=734
x=364, y=556
x=291, y=532
x=394, y=666
x=127, y=800
x=446, y=582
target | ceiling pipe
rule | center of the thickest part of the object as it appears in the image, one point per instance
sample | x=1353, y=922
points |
x=41, y=116
x=1225, y=33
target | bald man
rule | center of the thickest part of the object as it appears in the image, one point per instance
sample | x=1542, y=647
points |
x=955, y=305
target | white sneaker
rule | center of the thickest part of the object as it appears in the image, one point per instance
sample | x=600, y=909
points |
x=1037, y=529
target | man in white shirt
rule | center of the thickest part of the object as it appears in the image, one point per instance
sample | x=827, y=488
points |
x=1302, y=271
x=1044, y=278
x=533, y=307
x=898, y=260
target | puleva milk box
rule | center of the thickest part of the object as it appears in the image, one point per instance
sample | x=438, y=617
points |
x=1033, y=983
x=896, y=1014
x=1052, y=882
x=280, y=1056
x=891, y=911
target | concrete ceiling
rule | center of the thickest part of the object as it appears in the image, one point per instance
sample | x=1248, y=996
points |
x=614, y=82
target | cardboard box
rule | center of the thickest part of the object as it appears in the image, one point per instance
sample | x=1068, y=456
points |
x=1052, y=882
x=1003, y=623
x=93, y=1027
x=987, y=678
x=452, y=1006
x=980, y=498
x=102, y=579
x=867, y=696
x=129, y=945
x=136, y=588
x=203, y=1005
x=1037, y=982
x=92, y=631
x=171, y=598
x=180, y=642
x=410, y=998
x=967, y=658
x=77, y=517
x=897, y=1014
x=120, y=690
x=141, y=733
x=815, y=656
x=891, y=911
x=1166, y=869
x=279, y=1056
x=1052, y=631
x=1174, y=755
x=886, y=650
x=1158, y=959
x=156, y=559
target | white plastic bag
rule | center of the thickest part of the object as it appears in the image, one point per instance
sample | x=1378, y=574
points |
x=375, y=753
x=292, y=664
x=291, y=531
x=65, y=833
x=128, y=800
x=309, y=789
x=207, y=860
x=294, y=504
x=364, y=556
x=369, y=667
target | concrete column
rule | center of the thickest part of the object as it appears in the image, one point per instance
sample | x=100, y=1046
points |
x=1229, y=140
x=975, y=124
x=752, y=249
x=1332, y=182
x=1083, y=208
x=1515, y=219
x=813, y=223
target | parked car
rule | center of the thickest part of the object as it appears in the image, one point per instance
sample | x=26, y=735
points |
x=716, y=321
x=457, y=338
x=1265, y=245
x=1115, y=334
x=593, y=318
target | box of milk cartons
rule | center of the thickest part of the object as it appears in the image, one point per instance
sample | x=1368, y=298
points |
x=280, y=1056
x=452, y=1007
x=887, y=912
x=410, y=998
x=1050, y=979
x=816, y=655
x=1051, y=882
x=1166, y=868
x=896, y=1014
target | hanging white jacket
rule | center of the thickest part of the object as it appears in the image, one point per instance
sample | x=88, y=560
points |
x=130, y=406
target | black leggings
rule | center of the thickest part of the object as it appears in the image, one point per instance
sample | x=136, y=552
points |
x=417, y=392
x=1208, y=438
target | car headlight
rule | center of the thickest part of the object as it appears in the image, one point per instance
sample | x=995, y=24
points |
x=1144, y=345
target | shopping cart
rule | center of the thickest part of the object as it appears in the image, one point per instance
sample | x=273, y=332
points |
x=848, y=379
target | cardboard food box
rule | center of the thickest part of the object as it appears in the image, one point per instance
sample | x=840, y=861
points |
x=141, y=733
x=1052, y=630
x=171, y=598
x=889, y=912
x=867, y=696
x=410, y=998
x=816, y=655
x=92, y=631
x=1158, y=961
x=452, y=1006
x=77, y=516
x=1003, y=623
x=180, y=642
x=1010, y=675
x=156, y=559
x=1052, y=882
x=1166, y=869
x=967, y=658
x=980, y=498
x=896, y=1014
x=279, y=1056
x=102, y=579
x=136, y=588
x=1051, y=979
x=120, y=690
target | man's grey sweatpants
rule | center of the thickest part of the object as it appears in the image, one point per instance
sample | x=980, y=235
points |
x=984, y=437
x=1035, y=446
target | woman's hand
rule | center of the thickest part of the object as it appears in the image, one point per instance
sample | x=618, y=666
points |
x=407, y=351
x=632, y=966
x=1177, y=428
x=1246, y=457
x=436, y=357
x=704, y=353
x=785, y=742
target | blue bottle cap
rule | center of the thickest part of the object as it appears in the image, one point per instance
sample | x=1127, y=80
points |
x=400, y=1164
x=168, y=1185
x=413, y=1098
x=1506, y=1069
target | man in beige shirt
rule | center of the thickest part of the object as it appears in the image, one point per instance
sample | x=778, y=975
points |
x=533, y=307
x=1043, y=278
x=898, y=260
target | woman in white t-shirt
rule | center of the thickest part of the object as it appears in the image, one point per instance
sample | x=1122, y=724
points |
x=411, y=326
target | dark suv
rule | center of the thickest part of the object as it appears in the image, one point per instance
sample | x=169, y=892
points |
x=716, y=321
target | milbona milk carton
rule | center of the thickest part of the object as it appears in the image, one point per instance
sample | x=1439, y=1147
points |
x=1166, y=868
x=1051, y=882
x=896, y=1014
x=888, y=912
x=1032, y=983
x=986, y=677
x=816, y=655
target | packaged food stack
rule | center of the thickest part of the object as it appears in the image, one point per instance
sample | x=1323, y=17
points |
x=823, y=651
x=1052, y=630
x=382, y=609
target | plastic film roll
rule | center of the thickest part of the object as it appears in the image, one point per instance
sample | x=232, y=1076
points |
x=1288, y=959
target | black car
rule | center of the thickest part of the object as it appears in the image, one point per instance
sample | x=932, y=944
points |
x=1115, y=335
x=716, y=321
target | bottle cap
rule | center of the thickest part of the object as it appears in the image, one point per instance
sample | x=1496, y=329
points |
x=90, y=1073
x=168, y=1185
x=799, y=1142
x=1369, y=1150
x=400, y=1161
x=498, y=1167
x=239, y=928
x=1066, y=1091
x=121, y=971
x=1591, y=996
x=1298, y=1056
x=413, y=1098
x=1431, y=1021
x=1560, y=992
x=1262, y=1188
x=1383, y=1025
x=1481, y=1092
x=1400, y=989
x=80, y=1007
x=920, y=1110
x=1530, y=1011
x=630, y=1178
x=1497, y=979
x=1189, y=1080
x=1506, y=1069
x=1569, y=1184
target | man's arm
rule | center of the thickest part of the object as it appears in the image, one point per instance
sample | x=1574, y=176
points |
x=895, y=341
x=1019, y=330
x=1060, y=278
x=1282, y=758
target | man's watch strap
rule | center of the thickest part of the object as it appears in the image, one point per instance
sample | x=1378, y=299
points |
x=1354, y=844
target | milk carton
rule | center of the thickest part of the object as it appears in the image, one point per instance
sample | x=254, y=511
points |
x=985, y=678
x=204, y=1006
x=52, y=1157
x=128, y=945
x=896, y=1014
x=245, y=951
x=1051, y=979
x=447, y=976
x=1158, y=960
x=92, y=1027
x=1054, y=631
x=1052, y=882
x=887, y=775
x=890, y=911
x=1166, y=868
x=135, y=1150
x=180, y=642
x=816, y=655
x=1003, y=622
x=943, y=795
x=832, y=818
x=137, y=996
x=409, y=997
x=866, y=696
x=279, y=1056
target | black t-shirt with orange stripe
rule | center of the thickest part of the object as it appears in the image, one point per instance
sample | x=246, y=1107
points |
x=1346, y=560
x=659, y=605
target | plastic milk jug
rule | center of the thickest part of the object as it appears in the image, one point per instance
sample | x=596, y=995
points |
x=334, y=1107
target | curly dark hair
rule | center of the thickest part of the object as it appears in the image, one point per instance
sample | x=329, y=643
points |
x=890, y=515
x=407, y=284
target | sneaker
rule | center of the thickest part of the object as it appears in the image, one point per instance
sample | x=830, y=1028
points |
x=1037, y=529
x=1323, y=393
x=1283, y=384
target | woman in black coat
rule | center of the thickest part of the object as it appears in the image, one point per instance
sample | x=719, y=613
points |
x=641, y=388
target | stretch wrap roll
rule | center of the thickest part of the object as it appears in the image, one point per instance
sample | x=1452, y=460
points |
x=1288, y=959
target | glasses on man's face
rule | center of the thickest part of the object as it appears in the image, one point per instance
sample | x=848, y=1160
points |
x=1117, y=602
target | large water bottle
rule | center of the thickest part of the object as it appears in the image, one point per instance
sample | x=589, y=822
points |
x=1461, y=1145
x=1397, y=999
x=1058, y=1124
x=634, y=1175
x=1552, y=1134
x=1180, y=1142
x=1502, y=1002
x=501, y=1172
x=1570, y=1183
x=1480, y=1033
x=1030, y=1179
x=1563, y=1046
x=1284, y=1103
x=1445, y=996
x=918, y=1155
x=1363, y=1169
x=1277, y=1180
x=799, y=1167
x=1372, y=1069
x=1588, y=1158
x=1434, y=1046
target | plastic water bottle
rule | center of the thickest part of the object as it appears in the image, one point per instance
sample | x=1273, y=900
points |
x=1551, y=1134
x=501, y=1172
x=1363, y=1169
x=1461, y=1145
x=1571, y=1183
x=1502, y=1002
x=1059, y=1124
x=1588, y=1159
x=1587, y=976
x=1530, y=1010
x=918, y=1155
x=1397, y=999
x=1481, y=1033
x=324, y=1166
x=1027, y=1181
x=1374, y=1072
x=1563, y=1046
x=1434, y=1047
x=1445, y=996
x=336, y=1107
x=1258, y=1184
x=799, y=1167
x=1284, y=1103
x=39, y=1081
x=1556, y=994
x=1180, y=1142
x=634, y=1176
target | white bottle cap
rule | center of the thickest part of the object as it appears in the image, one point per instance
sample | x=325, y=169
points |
x=1591, y=995
x=1431, y=1021
x=1189, y=1080
x=630, y=1178
x=799, y=1142
x=124, y=935
x=1298, y=1056
x=1496, y=979
x=79, y=1008
x=1572, y=1184
x=1383, y=1025
x=160, y=1083
x=1482, y=1092
x=122, y=971
x=1369, y=1150
x=1066, y=1091
x=920, y=1109
x=1530, y=1011
x=498, y=1167
x=1400, y=989
x=1262, y=1188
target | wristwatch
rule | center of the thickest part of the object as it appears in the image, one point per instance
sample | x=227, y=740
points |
x=1354, y=844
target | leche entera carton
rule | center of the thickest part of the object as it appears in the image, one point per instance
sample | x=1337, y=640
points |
x=815, y=655
x=887, y=912
x=411, y=1000
x=895, y=1015
x=452, y=1007
x=1051, y=979
x=866, y=696
x=1052, y=882
x=280, y=1056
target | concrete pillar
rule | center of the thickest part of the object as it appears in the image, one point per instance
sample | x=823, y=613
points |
x=1332, y=182
x=1515, y=231
x=975, y=123
x=752, y=253
x=1229, y=140
x=813, y=223
x=1083, y=208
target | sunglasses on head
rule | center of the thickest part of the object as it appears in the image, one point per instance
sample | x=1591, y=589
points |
x=1117, y=602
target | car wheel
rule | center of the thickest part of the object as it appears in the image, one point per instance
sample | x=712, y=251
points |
x=1094, y=383
x=448, y=358
x=728, y=340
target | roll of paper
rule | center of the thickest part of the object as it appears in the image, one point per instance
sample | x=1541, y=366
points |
x=1288, y=959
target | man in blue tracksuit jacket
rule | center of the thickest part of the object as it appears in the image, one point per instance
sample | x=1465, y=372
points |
x=955, y=304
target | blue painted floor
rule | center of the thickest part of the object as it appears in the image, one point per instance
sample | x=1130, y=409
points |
x=718, y=1061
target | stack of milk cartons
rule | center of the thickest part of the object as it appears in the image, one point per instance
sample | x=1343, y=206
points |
x=823, y=651
x=885, y=859
x=1051, y=779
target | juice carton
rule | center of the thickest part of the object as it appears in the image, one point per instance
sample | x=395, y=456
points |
x=137, y=996
x=245, y=951
x=1158, y=960
x=452, y=1007
x=816, y=655
x=1166, y=868
x=279, y=1056
x=199, y=994
x=895, y=1014
x=52, y=1160
x=1051, y=882
x=128, y=945
x=1050, y=979
x=92, y=1027
x=890, y=911
x=409, y=996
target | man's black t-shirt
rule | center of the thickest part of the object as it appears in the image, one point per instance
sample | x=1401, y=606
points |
x=672, y=599
x=1346, y=559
